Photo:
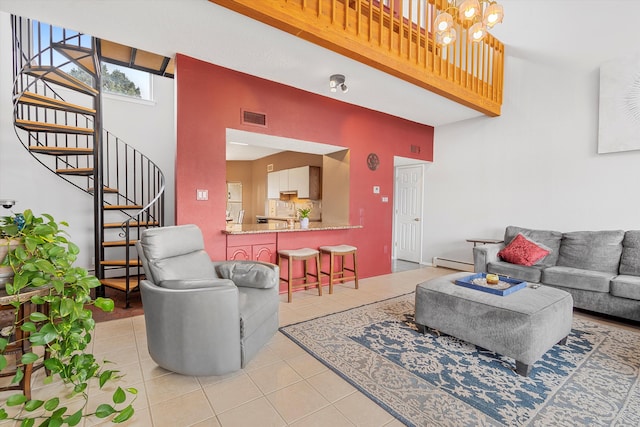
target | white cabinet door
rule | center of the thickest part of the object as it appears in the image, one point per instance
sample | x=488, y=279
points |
x=284, y=180
x=273, y=185
x=299, y=180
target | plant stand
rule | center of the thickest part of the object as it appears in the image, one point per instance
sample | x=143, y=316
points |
x=19, y=340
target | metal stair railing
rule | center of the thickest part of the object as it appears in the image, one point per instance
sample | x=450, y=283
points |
x=118, y=176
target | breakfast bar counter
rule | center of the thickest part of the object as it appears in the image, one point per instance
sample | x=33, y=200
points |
x=261, y=242
x=283, y=227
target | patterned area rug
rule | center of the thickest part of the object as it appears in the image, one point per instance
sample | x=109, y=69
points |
x=430, y=380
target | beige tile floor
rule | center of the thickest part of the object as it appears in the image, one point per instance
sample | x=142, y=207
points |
x=281, y=386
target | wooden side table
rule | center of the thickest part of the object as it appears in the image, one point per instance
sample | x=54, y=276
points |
x=19, y=340
x=484, y=241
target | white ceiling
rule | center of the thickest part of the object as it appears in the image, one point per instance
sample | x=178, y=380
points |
x=542, y=30
x=243, y=145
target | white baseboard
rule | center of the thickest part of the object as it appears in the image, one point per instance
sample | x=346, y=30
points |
x=453, y=264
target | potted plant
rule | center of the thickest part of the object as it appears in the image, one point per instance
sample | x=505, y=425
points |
x=303, y=213
x=43, y=260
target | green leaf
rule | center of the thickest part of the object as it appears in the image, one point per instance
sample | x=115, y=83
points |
x=74, y=419
x=29, y=358
x=38, y=300
x=54, y=365
x=32, y=405
x=3, y=343
x=18, y=376
x=105, y=376
x=66, y=307
x=132, y=390
x=119, y=396
x=104, y=410
x=3, y=414
x=36, y=316
x=3, y=362
x=124, y=415
x=16, y=399
x=51, y=404
x=45, y=266
x=28, y=327
x=105, y=304
x=28, y=422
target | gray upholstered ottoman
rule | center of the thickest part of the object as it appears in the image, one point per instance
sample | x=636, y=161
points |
x=522, y=325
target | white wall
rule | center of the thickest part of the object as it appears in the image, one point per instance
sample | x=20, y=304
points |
x=534, y=166
x=148, y=128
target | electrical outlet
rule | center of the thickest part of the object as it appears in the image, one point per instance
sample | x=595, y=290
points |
x=376, y=189
x=385, y=199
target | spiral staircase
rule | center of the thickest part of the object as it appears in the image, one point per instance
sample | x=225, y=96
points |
x=67, y=137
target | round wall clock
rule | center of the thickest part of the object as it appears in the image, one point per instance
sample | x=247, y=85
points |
x=373, y=161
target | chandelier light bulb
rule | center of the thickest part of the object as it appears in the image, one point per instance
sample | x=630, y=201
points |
x=476, y=16
x=493, y=15
x=469, y=9
x=443, y=21
x=447, y=37
x=477, y=32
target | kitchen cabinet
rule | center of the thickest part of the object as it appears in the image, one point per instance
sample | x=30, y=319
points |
x=305, y=180
x=254, y=247
x=273, y=185
x=276, y=182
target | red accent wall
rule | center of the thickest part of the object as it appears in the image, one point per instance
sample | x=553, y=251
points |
x=210, y=99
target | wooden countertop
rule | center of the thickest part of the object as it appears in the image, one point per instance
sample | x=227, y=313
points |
x=282, y=227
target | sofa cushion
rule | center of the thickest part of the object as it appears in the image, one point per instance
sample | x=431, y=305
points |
x=550, y=240
x=592, y=250
x=576, y=278
x=520, y=272
x=523, y=251
x=626, y=287
x=248, y=273
x=196, y=265
x=194, y=283
x=630, y=260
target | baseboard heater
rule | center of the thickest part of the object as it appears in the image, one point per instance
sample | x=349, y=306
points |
x=453, y=264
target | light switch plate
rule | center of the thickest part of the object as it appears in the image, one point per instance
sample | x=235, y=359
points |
x=202, y=194
x=376, y=189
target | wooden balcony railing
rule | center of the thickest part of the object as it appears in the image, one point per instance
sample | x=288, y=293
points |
x=394, y=36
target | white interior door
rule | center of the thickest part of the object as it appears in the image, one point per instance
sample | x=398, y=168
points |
x=408, y=213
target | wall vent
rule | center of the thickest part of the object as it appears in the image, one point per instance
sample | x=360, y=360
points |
x=415, y=149
x=253, y=118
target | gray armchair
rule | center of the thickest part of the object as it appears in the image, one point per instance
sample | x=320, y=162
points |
x=203, y=317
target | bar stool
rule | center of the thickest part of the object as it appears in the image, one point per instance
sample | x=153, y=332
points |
x=339, y=275
x=305, y=255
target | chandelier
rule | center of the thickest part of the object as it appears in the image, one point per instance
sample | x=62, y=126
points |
x=475, y=15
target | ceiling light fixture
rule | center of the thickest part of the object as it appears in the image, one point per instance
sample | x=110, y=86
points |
x=477, y=16
x=336, y=82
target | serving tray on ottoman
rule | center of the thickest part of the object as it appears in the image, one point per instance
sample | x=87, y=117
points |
x=524, y=325
x=506, y=287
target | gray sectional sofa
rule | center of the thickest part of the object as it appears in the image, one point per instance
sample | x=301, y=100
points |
x=600, y=269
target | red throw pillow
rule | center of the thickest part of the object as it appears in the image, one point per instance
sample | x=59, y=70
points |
x=523, y=251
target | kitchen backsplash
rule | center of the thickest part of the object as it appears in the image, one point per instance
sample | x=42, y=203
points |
x=289, y=208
